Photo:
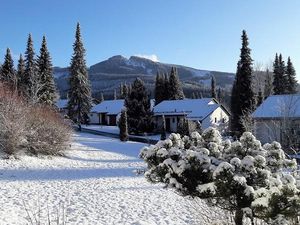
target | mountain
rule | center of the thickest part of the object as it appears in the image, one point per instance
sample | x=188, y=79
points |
x=106, y=76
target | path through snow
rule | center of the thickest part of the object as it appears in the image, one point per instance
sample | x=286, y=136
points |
x=94, y=184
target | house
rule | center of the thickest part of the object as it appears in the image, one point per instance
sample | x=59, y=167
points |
x=278, y=119
x=205, y=110
x=62, y=106
x=106, y=112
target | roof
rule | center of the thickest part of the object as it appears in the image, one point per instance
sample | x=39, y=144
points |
x=192, y=108
x=111, y=107
x=279, y=106
x=62, y=103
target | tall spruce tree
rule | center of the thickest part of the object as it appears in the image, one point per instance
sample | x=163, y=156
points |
x=166, y=83
x=243, y=98
x=80, y=99
x=268, y=88
x=175, y=88
x=20, y=73
x=30, y=80
x=159, y=90
x=279, y=81
x=123, y=126
x=47, y=93
x=138, y=106
x=8, y=73
x=291, y=77
x=213, y=88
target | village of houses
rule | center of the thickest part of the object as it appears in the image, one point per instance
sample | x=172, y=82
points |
x=271, y=118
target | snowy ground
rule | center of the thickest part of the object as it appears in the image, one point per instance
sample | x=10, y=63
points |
x=94, y=184
x=115, y=130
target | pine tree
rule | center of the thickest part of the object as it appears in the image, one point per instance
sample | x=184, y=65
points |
x=163, y=134
x=213, y=87
x=125, y=91
x=115, y=95
x=194, y=95
x=268, y=88
x=30, y=80
x=291, y=77
x=159, y=89
x=279, y=82
x=175, y=88
x=260, y=98
x=8, y=73
x=47, y=93
x=20, y=73
x=243, y=98
x=123, y=126
x=101, y=97
x=80, y=100
x=220, y=95
x=139, y=109
x=166, y=94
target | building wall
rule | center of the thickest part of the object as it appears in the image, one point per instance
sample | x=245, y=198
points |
x=218, y=117
x=94, y=118
x=174, y=120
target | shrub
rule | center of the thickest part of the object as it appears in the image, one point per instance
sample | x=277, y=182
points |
x=37, y=129
x=242, y=176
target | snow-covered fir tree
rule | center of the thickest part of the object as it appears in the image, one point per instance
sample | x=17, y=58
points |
x=20, y=73
x=291, y=77
x=159, y=90
x=139, y=114
x=213, y=88
x=174, y=87
x=79, y=94
x=242, y=97
x=8, y=72
x=47, y=93
x=243, y=176
x=123, y=126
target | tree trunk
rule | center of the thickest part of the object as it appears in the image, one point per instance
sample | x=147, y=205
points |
x=238, y=219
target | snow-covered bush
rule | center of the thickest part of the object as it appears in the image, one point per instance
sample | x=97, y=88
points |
x=241, y=176
x=35, y=129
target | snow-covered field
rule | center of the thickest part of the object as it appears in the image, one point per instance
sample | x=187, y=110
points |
x=95, y=184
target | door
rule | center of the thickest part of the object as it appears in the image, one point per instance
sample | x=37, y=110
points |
x=168, y=124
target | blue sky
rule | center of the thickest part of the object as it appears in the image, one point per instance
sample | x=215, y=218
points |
x=204, y=34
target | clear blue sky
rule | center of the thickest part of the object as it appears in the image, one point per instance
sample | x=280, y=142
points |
x=204, y=34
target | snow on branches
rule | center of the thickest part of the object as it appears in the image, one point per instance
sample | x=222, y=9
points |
x=241, y=176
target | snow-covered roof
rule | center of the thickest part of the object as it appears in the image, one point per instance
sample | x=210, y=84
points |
x=111, y=107
x=62, y=103
x=192, y=108
x=279, y=106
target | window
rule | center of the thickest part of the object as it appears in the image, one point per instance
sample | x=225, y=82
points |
x=215, y=119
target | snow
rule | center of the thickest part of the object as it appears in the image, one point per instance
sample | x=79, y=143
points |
x=193, y=108
x=95, y=183
x=278, y=106
x=111, y=107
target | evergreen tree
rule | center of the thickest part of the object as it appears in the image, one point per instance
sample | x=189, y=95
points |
x=139, y=109
x=213, y=88
x=159, y=89
x=8, y=73
x=115, y=95
x=291, y=77
x=166, y=94
x=123, y=126
x=125, y=91
x=20, y=73
x=80, y=100
x=220, y=95
x=268, y=88
x=163, y=134
x=260, y=98
x=102, y=97
x=175, y=88
x=243, y=98
x=194, y=96
x=279, y=82
x=30, y=80
x=47, y=93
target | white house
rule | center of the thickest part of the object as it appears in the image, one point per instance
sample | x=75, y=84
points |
x=205, y=110
x=278, y=119
x=106, y=112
